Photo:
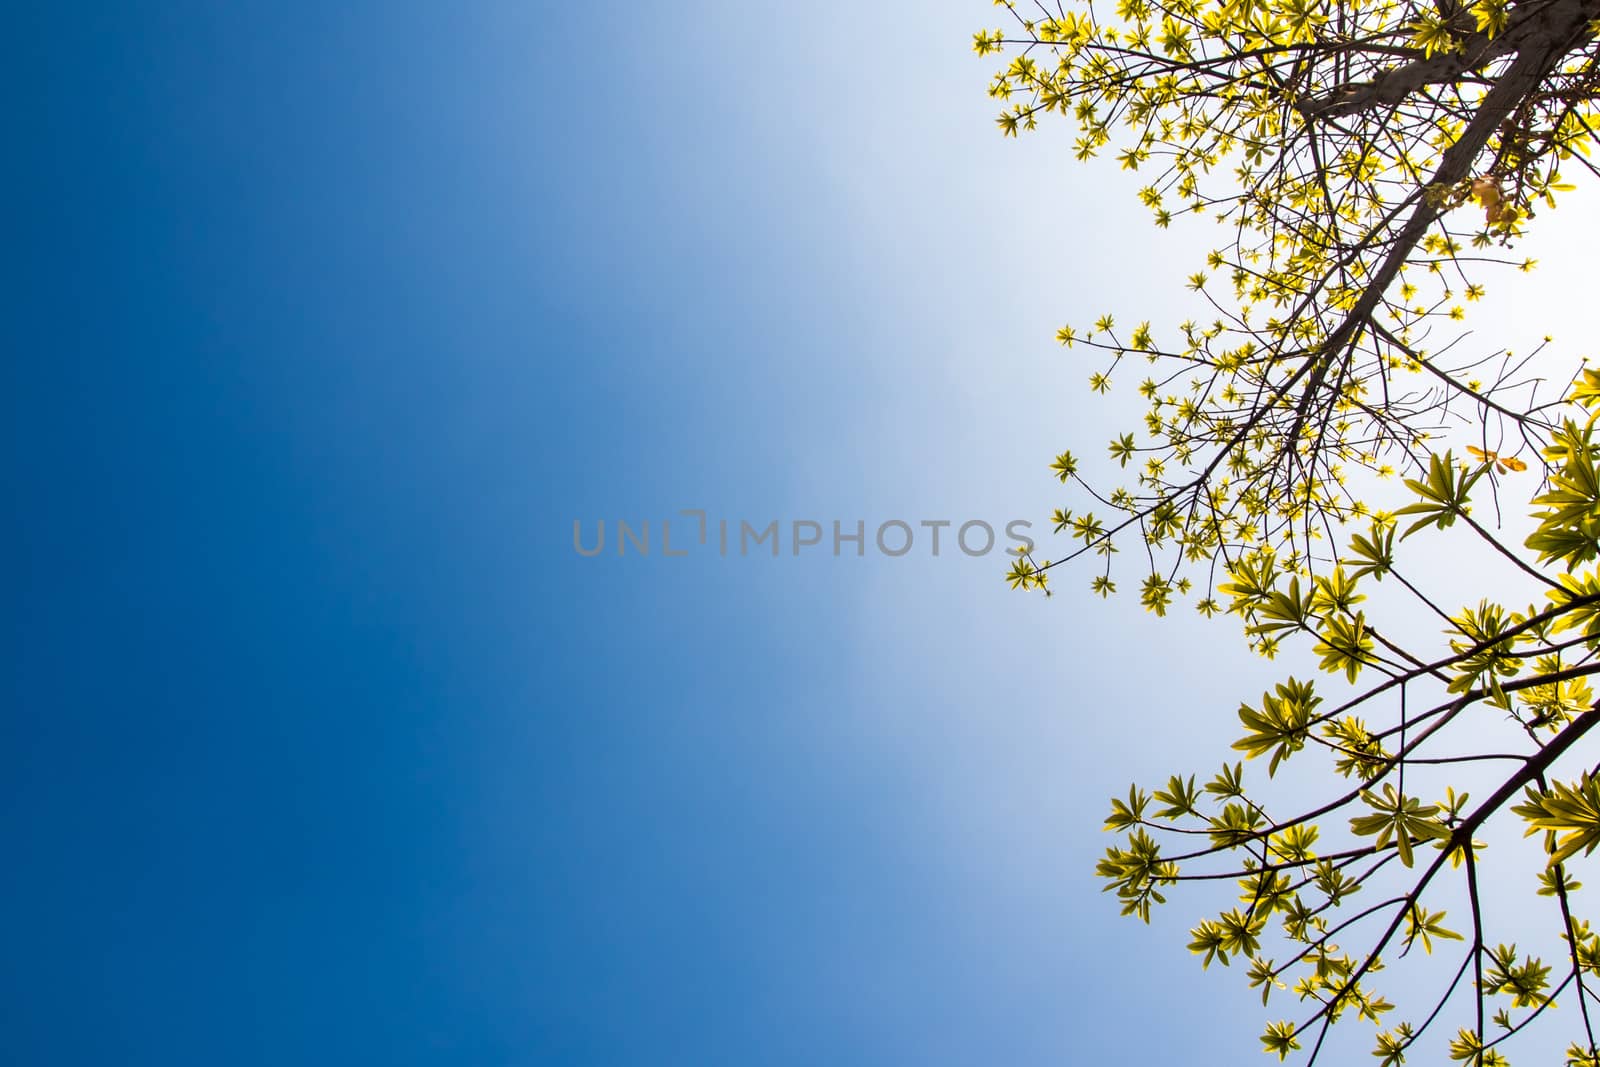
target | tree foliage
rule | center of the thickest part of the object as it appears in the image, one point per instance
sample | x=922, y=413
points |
x=1307, y=443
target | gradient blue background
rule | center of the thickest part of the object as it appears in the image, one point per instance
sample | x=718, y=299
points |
x=320, y=743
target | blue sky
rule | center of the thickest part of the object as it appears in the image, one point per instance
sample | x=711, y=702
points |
x=321, y=743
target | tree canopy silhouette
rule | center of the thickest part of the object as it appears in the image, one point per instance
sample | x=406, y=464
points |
x=1371, y=164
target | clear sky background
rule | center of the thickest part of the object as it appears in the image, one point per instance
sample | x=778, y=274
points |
x=322, y=745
